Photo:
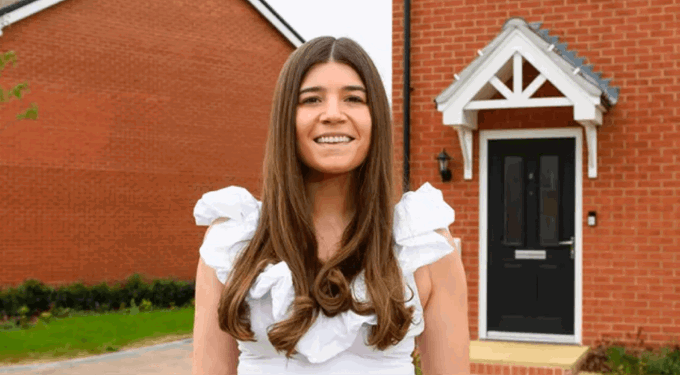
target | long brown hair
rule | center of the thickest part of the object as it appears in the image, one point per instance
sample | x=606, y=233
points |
x=286, y=232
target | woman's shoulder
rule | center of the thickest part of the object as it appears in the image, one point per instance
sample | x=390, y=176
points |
x=226, y=239
x=421, y=211
x=418, y=219
x=233, y=202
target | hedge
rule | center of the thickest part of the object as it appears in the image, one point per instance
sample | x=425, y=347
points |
x=101, y=297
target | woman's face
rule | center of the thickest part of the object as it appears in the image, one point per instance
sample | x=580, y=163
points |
x=333, y=121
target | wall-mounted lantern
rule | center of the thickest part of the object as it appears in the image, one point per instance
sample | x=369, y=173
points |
x=444, y=171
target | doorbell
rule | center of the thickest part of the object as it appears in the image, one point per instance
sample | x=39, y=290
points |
x=591, y=218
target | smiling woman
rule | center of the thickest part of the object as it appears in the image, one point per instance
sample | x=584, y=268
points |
x=327, y=275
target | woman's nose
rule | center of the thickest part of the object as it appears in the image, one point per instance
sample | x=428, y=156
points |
x=332, y=111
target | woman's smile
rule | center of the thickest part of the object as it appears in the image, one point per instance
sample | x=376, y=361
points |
x=333, y=140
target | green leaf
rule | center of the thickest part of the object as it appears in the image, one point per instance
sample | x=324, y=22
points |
x=30, y=113
x=616, y=354
x=16, y=91
x=7, y=56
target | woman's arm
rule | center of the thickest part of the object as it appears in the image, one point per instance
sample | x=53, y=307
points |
x=444, y=345
x=215, y=351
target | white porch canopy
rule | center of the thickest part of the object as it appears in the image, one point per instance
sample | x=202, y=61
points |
x=589, y=95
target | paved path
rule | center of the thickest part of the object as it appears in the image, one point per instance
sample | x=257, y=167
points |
x=168, y=358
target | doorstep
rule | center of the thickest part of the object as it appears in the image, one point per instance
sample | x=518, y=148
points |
x=509, y=358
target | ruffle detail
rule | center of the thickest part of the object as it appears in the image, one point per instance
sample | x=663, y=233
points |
x=416, y=217
x=225, y=241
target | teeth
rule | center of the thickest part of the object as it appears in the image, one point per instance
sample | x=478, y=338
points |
x=340, y=139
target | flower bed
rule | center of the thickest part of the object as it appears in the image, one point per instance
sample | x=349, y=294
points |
x=616, y=358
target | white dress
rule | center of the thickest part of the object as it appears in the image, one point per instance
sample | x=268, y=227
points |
x=335, y=345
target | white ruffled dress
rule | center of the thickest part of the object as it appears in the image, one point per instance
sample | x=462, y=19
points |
x=335, y=345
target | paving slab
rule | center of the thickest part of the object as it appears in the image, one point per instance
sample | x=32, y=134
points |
x=169, y=358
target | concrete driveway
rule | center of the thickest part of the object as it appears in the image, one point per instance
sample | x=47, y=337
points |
x=169, y=358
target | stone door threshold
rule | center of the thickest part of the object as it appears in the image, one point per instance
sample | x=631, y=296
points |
x=564, y=356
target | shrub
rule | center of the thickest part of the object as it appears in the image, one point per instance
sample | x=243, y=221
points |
x=10, y=301
x=24, y=320
x=619, y=359
x=61, y=312
x=35, y=295
x=135, y=288
x=168, y=293
x=145, y=305
x=163, y=292
x=624, y=363
x=60, y=301
x=45, y=317
x=76, y=297
x=667, y=362
x=101, y=295
x=134, y=309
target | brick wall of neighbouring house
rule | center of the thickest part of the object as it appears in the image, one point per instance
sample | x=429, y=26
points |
x=631, y=259
x=143, y=107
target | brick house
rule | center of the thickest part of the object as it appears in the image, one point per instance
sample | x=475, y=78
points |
x=143, y=107
x=563, y=124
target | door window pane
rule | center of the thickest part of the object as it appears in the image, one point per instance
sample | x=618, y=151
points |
x=514, y=201
x=549, y=200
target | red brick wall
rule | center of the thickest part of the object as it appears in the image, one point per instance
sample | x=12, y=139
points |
x=631, y=259
x=143, y=107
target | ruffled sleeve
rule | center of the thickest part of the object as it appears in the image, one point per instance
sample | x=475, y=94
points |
x=416, y=217
x=226, y=240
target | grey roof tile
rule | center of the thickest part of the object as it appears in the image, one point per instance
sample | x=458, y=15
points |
x=586, y=71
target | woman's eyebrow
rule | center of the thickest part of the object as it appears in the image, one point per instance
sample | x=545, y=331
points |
x=354, y=88
x=310, y=89
x=319, y=88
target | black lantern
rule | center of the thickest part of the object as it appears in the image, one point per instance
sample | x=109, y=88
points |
x=443, y=159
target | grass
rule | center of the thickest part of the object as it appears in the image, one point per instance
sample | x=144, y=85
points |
x=89, y=334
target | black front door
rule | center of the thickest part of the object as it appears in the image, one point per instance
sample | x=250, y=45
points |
x=531, y=202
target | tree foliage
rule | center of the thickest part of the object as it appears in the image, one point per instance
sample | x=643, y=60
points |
x=16, y=92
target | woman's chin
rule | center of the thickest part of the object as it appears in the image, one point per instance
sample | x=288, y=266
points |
x=332, y=171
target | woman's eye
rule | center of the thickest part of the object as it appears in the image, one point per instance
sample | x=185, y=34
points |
x=355, y=99
x=310, y=99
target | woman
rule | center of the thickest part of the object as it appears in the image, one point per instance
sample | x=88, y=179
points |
x=326, y=275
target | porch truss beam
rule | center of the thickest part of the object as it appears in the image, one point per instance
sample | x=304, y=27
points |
x=517, y=72
x=533, y=86
x=519, y=103
x=501, y=87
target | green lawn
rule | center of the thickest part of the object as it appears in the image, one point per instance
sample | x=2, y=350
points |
x=77, y=336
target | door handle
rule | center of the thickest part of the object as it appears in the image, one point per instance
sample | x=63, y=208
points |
x=571, y=246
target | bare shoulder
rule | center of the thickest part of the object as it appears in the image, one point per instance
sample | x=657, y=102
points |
x=448, y=272
x=449, y=264
x=215, y=222
x=424, y=276
x=446, y=234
